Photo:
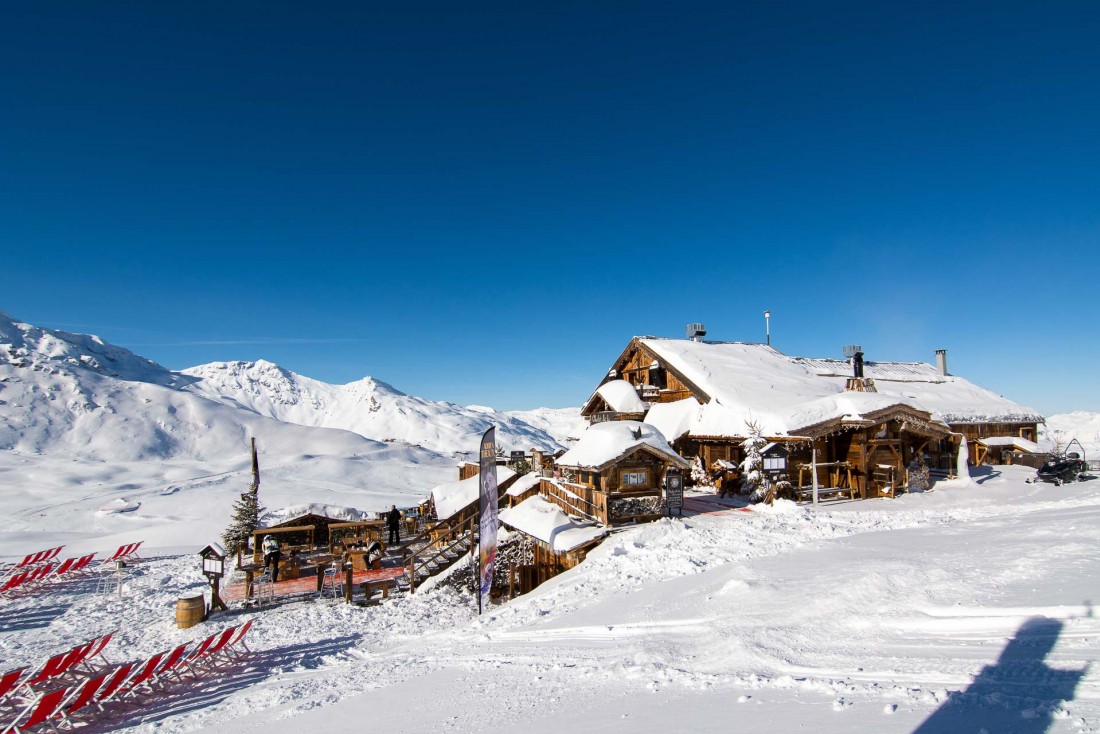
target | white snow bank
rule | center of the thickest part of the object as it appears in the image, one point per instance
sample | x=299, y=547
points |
x=542, y=520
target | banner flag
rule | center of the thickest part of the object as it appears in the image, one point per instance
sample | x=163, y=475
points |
x=487, y=547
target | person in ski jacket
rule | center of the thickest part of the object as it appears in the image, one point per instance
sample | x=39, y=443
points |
x=272, y=556
x=393, y=522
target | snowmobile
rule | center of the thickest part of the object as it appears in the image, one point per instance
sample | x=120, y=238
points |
x=1068, y=467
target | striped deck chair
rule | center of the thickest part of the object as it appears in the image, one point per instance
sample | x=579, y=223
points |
x=9, y=682
x=80, y=696
x=141, y=678
x=37, y=712
x=237, y=648
x=52, y=668
x=119, y=554
x=64, y=568
x=168, y=669
x=13, y=582
x=216, y=651
x=195, y=658
x=133, y=552
x=96, y=651
x=36, y=578
x=114, y=685
x=32, y=559
x=80, y=568
x=52, y=553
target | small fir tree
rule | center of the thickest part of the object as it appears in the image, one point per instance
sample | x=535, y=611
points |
x=699, y=475
x=752, y=467
x=246, y=511
x=246, y=517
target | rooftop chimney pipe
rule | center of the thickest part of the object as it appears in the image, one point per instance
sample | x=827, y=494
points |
x=941, y=361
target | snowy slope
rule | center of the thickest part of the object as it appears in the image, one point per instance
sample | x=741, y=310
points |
x=1080, y=424
x=368, y=407
x=566, y=425
x=963, y=609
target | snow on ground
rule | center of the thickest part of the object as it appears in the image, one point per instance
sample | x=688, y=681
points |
x=962, y=609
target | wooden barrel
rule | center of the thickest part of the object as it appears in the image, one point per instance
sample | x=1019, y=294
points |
x=190, y=610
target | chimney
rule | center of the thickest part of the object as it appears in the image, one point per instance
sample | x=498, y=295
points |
x=941, y=361
x=696, y=332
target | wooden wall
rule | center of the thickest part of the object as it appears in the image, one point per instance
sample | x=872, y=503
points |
x=636, y=371
x=974, y=431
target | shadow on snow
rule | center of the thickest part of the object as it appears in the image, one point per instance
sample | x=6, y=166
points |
x=1019, y=694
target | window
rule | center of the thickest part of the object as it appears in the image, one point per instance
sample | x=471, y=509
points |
x=639, y=478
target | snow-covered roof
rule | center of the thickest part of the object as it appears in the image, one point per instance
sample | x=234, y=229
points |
x=782, y=394
x=524, y=484
x=546, y=522
x=622, y=397
x=452, y=497
x=604, y=443
x=293, y=512
x=1014, y=441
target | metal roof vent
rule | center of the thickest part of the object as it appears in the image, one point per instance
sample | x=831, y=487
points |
x=695, y=332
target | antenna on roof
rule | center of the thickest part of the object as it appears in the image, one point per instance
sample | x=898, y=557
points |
x=696, y=332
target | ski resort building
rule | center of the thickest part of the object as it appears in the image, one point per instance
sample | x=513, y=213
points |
x=868, y=422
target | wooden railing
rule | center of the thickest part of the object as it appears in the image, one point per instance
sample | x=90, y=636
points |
x=595, y=504
x=437, y=543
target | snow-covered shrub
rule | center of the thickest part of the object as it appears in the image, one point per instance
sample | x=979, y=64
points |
x=752, y=475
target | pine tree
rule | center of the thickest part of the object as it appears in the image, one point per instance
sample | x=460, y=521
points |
x=752, y=467
x=246, y=512
x=246, y=516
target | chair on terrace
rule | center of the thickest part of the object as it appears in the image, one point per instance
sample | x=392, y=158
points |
x=332, y=583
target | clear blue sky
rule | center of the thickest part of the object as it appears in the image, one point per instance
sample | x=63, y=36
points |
x=482, y=203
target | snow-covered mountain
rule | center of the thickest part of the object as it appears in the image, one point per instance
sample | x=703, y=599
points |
x=76, y=395
x=1080, y=424
x=73, y=393
x=369, y=407
x=565, y=424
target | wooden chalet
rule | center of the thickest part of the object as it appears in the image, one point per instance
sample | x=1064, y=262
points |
x=867, y=421
x=558, y=542
x=614, y=474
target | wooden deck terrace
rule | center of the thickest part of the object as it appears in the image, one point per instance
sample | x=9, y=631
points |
x=308, y=584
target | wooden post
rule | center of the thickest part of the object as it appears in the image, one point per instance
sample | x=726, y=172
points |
x=320, y=578
x=347, y=584
x=412, y=574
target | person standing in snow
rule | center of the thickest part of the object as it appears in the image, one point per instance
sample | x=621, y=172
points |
x=393, y=522
x=272, y=556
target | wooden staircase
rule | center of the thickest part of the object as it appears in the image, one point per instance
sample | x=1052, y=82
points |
x=437, y=548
